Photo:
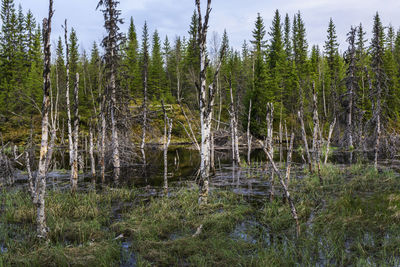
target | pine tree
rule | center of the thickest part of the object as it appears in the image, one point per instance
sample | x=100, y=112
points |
x=332, y=57
x=362, y=71
x=73, y=57
x=259, y=93
x=276, y=64
x=156, y=71
x=112, y=44
x=131, y=62
x=379, y=85
x=391, y=68
x=168, y=69
x=300, y=48
x=352, y=85
x=60, y=71
x=30, y=26
x=287, y=42
x=8, y=53
x=34, y=81
x=192, y=63
x=175, y=68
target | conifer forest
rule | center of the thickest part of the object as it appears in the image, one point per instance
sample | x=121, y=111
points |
x=151, y=150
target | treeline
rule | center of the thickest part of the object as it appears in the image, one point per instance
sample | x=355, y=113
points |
x=277, y=66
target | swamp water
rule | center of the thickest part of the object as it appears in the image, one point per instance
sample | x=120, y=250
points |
x=254, y=185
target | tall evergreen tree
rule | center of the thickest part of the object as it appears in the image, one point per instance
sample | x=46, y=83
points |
x=259, y=94
x=131, y=62
x=276, y=63
x=379, y=85
x=156, y=70
x=300, y=50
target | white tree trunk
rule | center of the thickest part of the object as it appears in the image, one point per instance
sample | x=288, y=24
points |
x=40, y=188
x=304, y=135
x=74, y=171
x=114, y=130
x=166, y=142
x=91, y=154
x=234, y=130
x=328, y=142
x=143, y=143
x=249, y=136
x=316, y=131
x=69, y=121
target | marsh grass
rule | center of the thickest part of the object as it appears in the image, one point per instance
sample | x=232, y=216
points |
x=79, y=229
x=351, y=218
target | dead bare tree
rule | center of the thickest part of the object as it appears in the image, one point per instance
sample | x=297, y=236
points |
x=111, y=43
x=189, y=133
x=166, y=142
x=249, y=136
x=67, y=97
x=289, y=159
x=284, y=186
x=233, y=114
x=316, y=140
x=304, y=135
x=74, y=171
x=269, y=142
x=206, y=97
x=144, y=126
x=91, y=154
x=40, y=183
x=351, y=83
x=103, y=139
x=328, y=141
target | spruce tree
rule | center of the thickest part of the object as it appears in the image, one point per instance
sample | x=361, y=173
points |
x=287, y=42
x=73, y=57
x=332, y=58
x=156, y=71
x=131, y=62
x=259, y=95
x=379, y=85
x=300, y=48
x=276, y=63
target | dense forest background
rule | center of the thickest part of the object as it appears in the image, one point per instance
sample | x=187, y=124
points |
x=277, y=65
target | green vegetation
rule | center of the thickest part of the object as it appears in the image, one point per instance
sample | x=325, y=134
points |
x=352, y=218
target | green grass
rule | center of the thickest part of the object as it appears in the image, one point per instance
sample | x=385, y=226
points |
x=352, y=218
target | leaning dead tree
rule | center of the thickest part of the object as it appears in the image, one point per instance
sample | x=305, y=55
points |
x=304, y=136
x=111, y=44
x=283, y=183
x=206, y=99
x=39, y=185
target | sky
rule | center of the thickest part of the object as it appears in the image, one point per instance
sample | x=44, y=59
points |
x=172, y=17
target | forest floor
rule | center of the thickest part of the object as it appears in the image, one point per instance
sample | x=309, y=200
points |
x=352, y=218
